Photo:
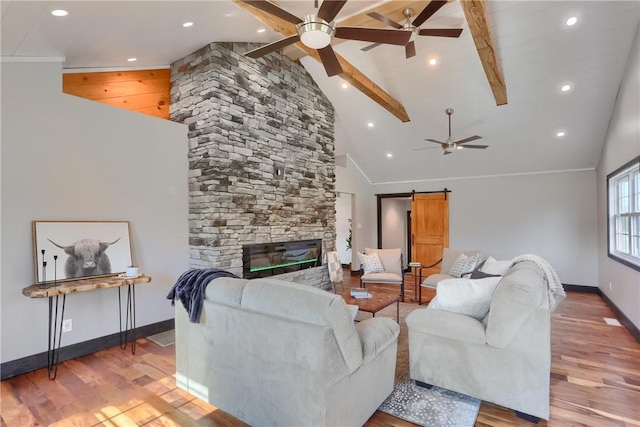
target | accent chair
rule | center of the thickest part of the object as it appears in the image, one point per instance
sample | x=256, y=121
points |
x=391, y=260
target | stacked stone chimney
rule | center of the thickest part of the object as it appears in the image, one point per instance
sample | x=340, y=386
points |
x=261, y=152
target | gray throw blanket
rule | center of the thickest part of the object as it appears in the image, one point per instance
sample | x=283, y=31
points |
x=190, y=289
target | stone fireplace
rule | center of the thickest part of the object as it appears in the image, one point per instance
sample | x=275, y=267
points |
x=261, y=153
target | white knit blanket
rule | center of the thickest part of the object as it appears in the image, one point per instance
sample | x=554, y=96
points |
x=554, y=286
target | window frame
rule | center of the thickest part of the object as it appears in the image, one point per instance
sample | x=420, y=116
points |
x=612, y=211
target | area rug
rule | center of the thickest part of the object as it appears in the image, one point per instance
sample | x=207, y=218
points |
x=426, y=407
x=430, y=407
x=164, y=339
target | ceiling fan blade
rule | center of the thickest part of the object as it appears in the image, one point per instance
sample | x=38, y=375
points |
x=441, y=32
x=482, y=147
x=274, y=10
x=330, y=61
x=436, y=141
x=425, y=148
x=447, y=152
x=410, y=50
x=426, y=13
x=330, y=9
x=376, y=35
x=272, y=47
x=385, y=20
x=471, y=138
x=371, y=46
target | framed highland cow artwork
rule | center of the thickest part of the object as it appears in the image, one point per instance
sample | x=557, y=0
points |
x=67, y=250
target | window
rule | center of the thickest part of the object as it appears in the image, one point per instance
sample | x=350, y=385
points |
x=623, y=188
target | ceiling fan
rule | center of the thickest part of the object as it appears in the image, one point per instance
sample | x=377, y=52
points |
x=317, y=31
x=413, y=26
x=450, y=145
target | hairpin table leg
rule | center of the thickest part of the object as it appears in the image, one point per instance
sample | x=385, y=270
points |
x=128, y=334
x=53, y=349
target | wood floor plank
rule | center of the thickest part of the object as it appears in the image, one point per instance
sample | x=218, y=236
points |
x=595, y=381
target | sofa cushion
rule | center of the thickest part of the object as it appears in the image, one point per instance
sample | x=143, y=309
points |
x=391, y=259
x=493, y=266
x=371, y=263
x=464, y=264
x=381, y=278
x=465, y=296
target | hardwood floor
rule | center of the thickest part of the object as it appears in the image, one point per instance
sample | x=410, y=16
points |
x=595, y=381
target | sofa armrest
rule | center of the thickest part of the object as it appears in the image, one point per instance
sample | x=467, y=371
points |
x=446, y=324
x=376, y=334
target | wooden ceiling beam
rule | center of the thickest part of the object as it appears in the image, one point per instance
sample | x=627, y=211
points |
x=476, y=16
x=349, y=73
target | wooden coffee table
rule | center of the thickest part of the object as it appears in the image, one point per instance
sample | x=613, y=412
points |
x=377, y=302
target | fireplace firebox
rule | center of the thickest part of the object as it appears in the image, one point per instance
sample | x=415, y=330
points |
x=269, y=259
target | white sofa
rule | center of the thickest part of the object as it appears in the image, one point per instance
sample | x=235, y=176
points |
x=271, y=352
x=505, y=358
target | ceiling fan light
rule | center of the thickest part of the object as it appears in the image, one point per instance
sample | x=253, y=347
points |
x=315, y=33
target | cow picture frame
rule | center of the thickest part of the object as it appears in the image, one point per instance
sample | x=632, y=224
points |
x=83, y=249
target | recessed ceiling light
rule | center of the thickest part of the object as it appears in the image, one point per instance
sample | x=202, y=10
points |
x=261, y=30
x=188, y=24
x=344, y=85
x=59, y=12
x=571, y=21
x=433, y=61
x=565, y=87
x=389, y=155
x=560, y=134
x=370, y=124
x=132, y=59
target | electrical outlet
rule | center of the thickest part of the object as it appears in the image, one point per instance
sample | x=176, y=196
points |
x=67, y=325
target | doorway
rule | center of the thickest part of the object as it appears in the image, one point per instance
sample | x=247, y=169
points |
x=423, y=214
x=344, y=227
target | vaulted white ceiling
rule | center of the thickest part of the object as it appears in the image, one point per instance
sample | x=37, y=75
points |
x=536, y=50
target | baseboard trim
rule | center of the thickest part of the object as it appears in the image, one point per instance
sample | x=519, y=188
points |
x=37, y=361
x=581, y=288
x=624, y=320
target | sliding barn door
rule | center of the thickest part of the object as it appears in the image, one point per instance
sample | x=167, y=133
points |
x=429, y=228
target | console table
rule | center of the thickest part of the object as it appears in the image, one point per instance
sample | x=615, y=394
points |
x=53, y=290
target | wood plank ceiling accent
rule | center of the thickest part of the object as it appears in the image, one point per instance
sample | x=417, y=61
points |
x=350, y=74
x=143, y=91
x=476, y=16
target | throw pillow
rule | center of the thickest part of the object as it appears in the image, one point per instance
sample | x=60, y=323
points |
x=493, y=266
x=463, y=264
x=371, y=263
x=478, y=274
x=466, y=296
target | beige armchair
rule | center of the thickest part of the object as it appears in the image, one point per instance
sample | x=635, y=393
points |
x=392, y=263
x=503, y=358
x=276, y=353
x=447, y=261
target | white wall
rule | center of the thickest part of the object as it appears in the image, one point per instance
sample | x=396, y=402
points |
x=552, y=215
x=349, y=179
x=622, y=144
x=394, y=224
x=68, y=158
